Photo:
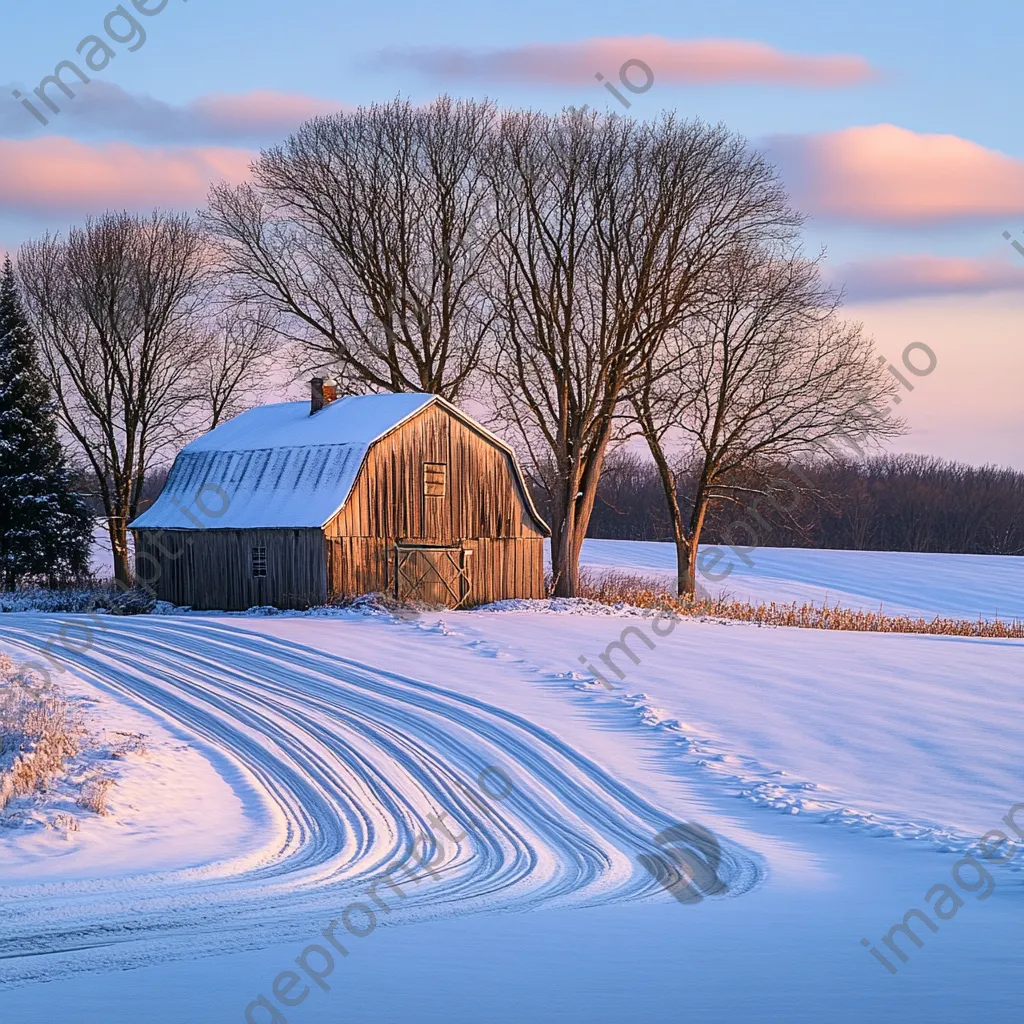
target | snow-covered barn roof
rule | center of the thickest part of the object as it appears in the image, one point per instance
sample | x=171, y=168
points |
x=276, y=466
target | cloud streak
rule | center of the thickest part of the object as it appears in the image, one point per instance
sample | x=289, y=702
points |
x=678, y=61
x=917, y=276
x=56, y=175
x=885, y=175
x=105, y=109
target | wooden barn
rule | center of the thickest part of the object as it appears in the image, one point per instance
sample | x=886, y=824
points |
x=298, y=503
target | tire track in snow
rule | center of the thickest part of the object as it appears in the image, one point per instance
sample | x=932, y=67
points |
x=340, y=764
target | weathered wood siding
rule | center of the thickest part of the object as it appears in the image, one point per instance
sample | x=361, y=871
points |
x=481, y=499
x=358, y=565
x=498, y=569
x=212, y=569
x=482, y=509
x=506, y=568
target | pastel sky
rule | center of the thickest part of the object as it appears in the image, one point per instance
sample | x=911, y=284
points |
x=896, y=126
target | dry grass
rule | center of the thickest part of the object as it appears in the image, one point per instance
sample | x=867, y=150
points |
x=615, y=587
x=65, y=823
x=128, y=743
x=379, y=603
x=93, y=796
x=39, y=733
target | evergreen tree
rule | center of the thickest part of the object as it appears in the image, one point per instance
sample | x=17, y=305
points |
x=45, y=528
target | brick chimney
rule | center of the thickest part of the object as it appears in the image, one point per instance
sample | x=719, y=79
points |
x=322, y=391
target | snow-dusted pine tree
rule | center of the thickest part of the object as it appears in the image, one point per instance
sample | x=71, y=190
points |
x=45, y=528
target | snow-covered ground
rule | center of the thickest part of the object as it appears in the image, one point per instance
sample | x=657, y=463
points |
x=170, y=805
x=898, y=582
x=296, y=757
x=101, y=556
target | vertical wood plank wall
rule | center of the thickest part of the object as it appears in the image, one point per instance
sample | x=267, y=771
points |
x=499, y=569
x=212, y=569
x=482, y=510
x=481, y=500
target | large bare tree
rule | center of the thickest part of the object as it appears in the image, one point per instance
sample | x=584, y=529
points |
x=764, y=372
x=607, y=228
x=120, y=309
x=368, y=233
x=235, y=370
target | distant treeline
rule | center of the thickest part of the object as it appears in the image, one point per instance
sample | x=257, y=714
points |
x=84, y=482
x=890, y=503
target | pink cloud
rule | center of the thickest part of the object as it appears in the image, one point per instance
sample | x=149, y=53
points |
x=900, y=277
x=54, y=174
x=889, y=175
x=103, y=108
x=259, y=111
x=678, y=61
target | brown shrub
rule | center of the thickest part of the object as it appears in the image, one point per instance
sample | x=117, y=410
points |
x=93, y=796
x=39, y=733
x=65, y=823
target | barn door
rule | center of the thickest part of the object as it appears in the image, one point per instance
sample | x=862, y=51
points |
x=434, y=575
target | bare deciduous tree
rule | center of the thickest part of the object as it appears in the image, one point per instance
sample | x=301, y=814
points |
x=368, y=233
x=118, y=307
x=765, y=372
x=233, y=373
x=607, y=227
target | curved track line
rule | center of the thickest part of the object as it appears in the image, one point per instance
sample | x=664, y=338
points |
x=342, y=765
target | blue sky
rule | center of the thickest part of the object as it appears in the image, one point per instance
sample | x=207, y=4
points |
x=896, y=125
x=952, y=67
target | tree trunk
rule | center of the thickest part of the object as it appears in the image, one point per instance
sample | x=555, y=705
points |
x=700, y=508
x=567, y=572
x=686, y=567
x=684, y=561
x=572, y=547
x=580, y=495
x=564, y=547
x=118, y=530
x=686, y=546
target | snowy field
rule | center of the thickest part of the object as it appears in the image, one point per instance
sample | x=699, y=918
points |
x=294, y=758
x=898, y=582
x=101, y=557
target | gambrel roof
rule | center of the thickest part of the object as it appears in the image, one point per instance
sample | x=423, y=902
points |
x=280, y=467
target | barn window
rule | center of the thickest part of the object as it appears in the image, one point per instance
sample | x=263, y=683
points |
x=259, y=562
x=435, y=479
